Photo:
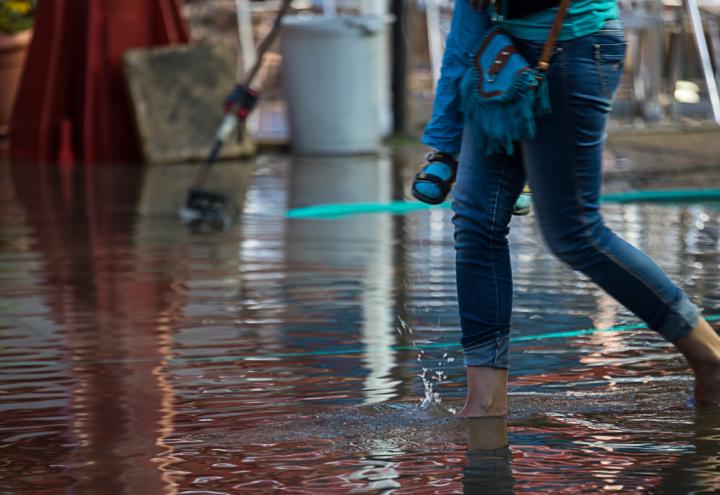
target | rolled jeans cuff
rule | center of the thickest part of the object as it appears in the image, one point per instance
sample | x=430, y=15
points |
x=683, y=316
x=492, y=353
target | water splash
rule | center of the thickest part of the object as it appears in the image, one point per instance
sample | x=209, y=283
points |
x=430, y=380
x=404, y=328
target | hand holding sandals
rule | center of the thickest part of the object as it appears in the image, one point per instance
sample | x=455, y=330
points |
x=437, y=176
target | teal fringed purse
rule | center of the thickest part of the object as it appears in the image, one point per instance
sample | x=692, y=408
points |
x=502, y=93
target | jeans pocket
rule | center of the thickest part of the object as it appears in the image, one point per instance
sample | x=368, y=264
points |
x=609, y=55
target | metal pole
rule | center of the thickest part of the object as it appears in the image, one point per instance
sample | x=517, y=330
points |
x=432, y=13
x=329, y=8
x=374, y=7
x=704, y=53
x=714, y=32
x=399, y=67
x=651, y=108
x=245, y=35
x=381, y=9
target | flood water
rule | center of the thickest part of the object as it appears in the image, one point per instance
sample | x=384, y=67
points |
x=321, y=356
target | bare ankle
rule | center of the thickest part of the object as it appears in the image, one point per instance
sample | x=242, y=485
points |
x=701, y=348
x=488, y=409
x=486, y=392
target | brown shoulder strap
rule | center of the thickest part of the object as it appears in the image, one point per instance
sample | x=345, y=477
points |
x=544, y=63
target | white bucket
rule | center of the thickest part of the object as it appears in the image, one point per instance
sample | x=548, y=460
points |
x=334, y=82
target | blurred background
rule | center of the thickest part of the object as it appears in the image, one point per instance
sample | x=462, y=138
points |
x=144, y=350
x=83, y=97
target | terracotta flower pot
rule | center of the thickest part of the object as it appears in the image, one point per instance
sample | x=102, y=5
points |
x=13, y=50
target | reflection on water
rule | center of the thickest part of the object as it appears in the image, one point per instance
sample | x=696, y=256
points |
x=367, y=238
x=700, y=468
x=137, y=357
x=488, y=468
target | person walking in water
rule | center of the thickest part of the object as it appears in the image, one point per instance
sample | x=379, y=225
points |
x=562, y=165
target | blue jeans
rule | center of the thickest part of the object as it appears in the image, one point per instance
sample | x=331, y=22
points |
x=563, y=167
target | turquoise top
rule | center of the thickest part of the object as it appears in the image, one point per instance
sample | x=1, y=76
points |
x=583, y=17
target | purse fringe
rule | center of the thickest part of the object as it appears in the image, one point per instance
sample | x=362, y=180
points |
x=499, y=122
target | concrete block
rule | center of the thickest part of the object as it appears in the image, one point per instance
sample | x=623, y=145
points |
x=178, y=94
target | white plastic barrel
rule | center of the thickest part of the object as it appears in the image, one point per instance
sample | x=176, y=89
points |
x=334, y=82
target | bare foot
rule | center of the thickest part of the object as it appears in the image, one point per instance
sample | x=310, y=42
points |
x=486, y=393
x=701, y=348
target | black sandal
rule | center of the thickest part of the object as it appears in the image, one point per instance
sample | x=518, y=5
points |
x=444, y=185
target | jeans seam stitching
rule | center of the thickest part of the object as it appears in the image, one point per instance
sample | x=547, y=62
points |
x=482, y=342
x=581, y=210
x=598, y=70
x=492, y=241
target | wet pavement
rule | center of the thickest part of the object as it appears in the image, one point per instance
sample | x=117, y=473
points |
x=320, y=356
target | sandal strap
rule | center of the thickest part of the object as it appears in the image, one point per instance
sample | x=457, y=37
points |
x=444, y=185
x=430, y=178
x=439, y=156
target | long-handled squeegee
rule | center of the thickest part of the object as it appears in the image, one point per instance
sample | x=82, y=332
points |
x=212, y=209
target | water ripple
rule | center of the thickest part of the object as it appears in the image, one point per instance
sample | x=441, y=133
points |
x=137, y=357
